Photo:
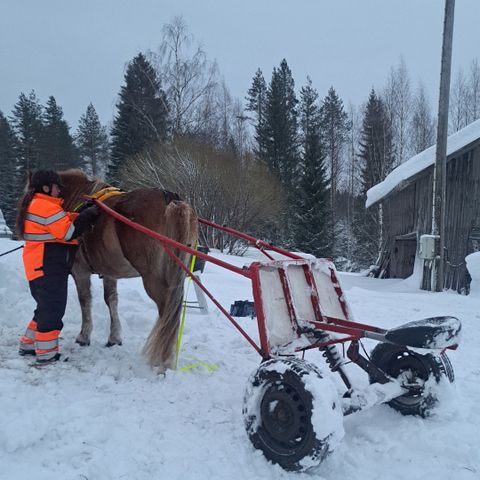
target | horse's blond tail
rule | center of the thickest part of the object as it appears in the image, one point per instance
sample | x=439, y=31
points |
x=182, y=226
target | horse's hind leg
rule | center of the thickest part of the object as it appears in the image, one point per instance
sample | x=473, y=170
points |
x=82, y=282
x=111, y=299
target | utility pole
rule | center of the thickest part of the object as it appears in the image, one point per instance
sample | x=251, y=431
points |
x=440, y=170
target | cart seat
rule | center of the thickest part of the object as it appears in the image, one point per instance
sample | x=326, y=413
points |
x=434, y=333
x=289, y=295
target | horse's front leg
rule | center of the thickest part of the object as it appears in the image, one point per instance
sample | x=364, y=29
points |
x=82, y=281
x=111, y=299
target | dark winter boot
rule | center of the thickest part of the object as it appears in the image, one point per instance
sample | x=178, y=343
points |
x=42, y=362
x=22, y=351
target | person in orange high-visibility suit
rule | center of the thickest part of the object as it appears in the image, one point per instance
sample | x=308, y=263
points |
x=50, y=245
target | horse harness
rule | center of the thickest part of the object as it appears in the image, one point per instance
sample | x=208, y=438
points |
x=101, y=196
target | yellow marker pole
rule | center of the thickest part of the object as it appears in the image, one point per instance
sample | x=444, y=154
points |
x=184, y=312
x=211, y=367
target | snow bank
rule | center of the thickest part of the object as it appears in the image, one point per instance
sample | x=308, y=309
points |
x=473, y=267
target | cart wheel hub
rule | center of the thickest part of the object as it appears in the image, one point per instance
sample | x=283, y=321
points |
x=283, y=414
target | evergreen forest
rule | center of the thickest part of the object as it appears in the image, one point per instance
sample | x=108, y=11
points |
x=286, y=163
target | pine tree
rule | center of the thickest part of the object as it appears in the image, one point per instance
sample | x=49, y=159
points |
x=376, y=153
x=27, y=124
x=92, y=142
x=376, y=143
x=8, y=160
x=312, y=227
x=59, y=151
x=281, y=125
x=141, y=120
x=256, y=103
x=335, y=128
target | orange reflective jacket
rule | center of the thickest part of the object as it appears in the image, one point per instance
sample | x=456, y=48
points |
x=46, y=222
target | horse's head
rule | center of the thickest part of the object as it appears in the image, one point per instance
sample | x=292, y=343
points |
x=75, y=184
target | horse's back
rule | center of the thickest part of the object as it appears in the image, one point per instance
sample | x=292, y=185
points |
x=158, y=210
x=120, y=251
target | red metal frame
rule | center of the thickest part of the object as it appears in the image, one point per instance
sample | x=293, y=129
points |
x=288, y=297
x=260, y=244
x=353, y=331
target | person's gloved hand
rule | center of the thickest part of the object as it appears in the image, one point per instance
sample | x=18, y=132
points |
x=86, y=204
x=85, y=220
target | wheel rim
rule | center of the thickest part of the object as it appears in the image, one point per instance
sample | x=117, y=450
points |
x=284, y=416
x=412, y=374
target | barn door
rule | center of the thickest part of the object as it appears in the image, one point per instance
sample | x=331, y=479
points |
x=405, y=250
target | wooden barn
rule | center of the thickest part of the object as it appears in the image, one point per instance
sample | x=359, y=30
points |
x=406, y=200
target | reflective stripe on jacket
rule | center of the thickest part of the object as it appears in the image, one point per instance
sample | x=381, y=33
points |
x=46, y=222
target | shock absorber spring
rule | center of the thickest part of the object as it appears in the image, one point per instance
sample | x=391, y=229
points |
x=332, y=357
x=329, y=352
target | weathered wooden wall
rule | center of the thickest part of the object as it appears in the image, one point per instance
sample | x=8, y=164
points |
x=408, y=214
x=462, y=213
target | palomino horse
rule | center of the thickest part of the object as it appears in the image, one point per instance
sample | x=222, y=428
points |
x=115, y=250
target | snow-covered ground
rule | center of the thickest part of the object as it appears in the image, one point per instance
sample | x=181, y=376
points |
x=105, y=415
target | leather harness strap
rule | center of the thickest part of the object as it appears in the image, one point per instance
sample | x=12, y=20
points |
x=101, y=196
x=106, y=192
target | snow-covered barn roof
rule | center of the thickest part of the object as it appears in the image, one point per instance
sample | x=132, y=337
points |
x=398, y=178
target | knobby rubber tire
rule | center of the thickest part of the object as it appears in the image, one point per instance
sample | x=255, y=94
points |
x=277, y=412
x=405, y=364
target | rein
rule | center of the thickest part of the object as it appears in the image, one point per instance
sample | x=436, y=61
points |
x=10, y=251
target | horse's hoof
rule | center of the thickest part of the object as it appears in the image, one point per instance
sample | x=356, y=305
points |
x=111, y=344
x=82, y=343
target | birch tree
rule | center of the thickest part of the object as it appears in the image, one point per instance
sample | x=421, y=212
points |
x=188, y=77
x=459, y=97
x=474, y=90
x=398, y=102
x=422, y=123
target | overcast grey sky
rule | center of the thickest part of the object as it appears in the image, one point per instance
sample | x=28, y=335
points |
x=77, y=50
